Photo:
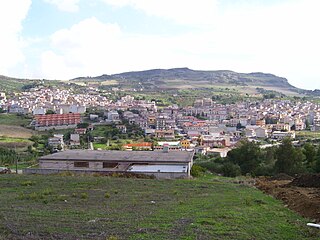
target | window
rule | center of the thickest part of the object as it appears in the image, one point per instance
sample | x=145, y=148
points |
x=81, y=164
x=109, y=164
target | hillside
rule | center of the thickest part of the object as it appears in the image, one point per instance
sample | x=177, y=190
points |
x=9, y=85
x=188, y=78
x=96, y=207
x=13, y=84
x=171, y=79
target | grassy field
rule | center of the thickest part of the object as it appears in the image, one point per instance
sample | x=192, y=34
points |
x=89, y=207
x=12, y=119
x=307, y=134
x=14, y=142
x=15, y=131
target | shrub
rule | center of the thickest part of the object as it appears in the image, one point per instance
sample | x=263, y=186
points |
x=231, y=170
x=197, y=171
x=62, y=197
x=84, y=195
x=27, y=183
x=107, y=195
x=112, y=238
x=47, y=191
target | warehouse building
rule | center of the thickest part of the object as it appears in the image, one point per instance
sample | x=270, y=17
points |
x=160, y=164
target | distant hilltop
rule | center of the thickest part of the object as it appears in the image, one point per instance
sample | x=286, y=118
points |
x=172, y=77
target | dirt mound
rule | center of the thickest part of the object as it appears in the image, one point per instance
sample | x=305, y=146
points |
x=304, y=200
x=281, y=176
x=307, y=180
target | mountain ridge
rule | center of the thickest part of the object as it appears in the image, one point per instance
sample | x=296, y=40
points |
x=173, y=78
x=209, y=76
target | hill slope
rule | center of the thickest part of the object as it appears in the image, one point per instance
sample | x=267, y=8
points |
x=88, y=207
x=175, y=78
x=178, y=77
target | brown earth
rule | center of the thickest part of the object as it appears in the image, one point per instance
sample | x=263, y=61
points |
x=15, y=131
x=302, y=194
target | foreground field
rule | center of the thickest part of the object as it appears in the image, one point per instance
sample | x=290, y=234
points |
x=88, y=207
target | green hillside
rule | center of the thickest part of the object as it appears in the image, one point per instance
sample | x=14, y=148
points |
x=11, y=84
x=181, y=78
x=170, y=79
x=88, y=207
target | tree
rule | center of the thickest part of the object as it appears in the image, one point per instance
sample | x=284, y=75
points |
x=248, y=156
x=288, y=158
x=239, y=126
x=307, y=124
x=317, y=161
x=310, y=153
x=83, y=125
x=49, y=111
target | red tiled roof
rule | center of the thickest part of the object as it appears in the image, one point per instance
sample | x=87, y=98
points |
x=142, y=144
x=57, y=119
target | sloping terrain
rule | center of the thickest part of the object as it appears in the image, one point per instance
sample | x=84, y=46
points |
x=15, y=131
x=301, y=194
x=181, y=77
x=96, y=207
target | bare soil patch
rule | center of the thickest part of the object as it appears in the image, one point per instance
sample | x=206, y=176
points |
x=15, y=131
x=302, y=194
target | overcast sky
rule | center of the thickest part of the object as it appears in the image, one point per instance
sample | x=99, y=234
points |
x=63, y=39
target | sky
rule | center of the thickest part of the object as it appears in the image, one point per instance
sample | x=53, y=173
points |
x=65, y=39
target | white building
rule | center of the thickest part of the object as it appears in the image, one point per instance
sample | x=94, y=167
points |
x=281, y=135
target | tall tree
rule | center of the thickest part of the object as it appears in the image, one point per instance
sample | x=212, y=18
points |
x=310, y=152
x=247, y=156
x=288, y=158
x=317, y=161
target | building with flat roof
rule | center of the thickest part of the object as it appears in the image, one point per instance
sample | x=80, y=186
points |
x=57, y=121
x=155, y=163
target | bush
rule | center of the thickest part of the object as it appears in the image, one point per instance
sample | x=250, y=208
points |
x=27, y=183
x=197, y=171
x=84, y=195
x=231, y=170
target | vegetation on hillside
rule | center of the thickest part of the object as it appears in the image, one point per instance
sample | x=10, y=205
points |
x=249, y=158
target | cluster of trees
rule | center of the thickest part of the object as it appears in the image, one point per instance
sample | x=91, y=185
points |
x=7, y=156
x=249, y=158
x=110, y=132
x=11, y=156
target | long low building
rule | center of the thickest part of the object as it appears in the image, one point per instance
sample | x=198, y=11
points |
x=175, y=164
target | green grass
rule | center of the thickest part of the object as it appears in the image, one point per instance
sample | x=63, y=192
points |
x=13, y=119
x=88, y=207
x=17, y=140
x=17, y=143
x=102, y=146
x=307, y=134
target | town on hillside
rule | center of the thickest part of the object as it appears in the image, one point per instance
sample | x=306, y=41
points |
x=63, y=120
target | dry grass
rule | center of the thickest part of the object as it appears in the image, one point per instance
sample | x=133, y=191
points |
x=15, y=131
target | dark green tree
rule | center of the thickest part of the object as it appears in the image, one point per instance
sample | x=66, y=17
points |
x=248, y=156
x=288, y=158
x=310, y=156
x=317, y=161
